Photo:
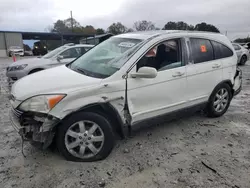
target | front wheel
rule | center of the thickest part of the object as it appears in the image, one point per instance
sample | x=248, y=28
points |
x=219, y=100
x=85, y=136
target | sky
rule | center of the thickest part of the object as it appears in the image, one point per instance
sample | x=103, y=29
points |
x=232, y=16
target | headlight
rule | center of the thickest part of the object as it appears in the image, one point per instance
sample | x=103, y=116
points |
x=44, y=46
x=18, y=67
x=36, y=47
x=41, y=103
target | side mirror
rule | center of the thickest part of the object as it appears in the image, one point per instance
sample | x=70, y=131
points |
x=145, y=72
x=59, y=58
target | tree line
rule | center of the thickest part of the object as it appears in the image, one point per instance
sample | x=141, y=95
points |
x=71, y=25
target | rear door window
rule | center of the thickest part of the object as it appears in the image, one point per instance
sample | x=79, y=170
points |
x=201, y=50
x=221, y=51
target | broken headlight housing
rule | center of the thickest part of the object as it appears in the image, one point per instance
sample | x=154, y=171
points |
x=41, y=103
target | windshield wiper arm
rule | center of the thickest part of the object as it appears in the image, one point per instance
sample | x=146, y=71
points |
x=82, y=71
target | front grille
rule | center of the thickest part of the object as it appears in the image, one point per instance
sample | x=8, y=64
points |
x=16, y=112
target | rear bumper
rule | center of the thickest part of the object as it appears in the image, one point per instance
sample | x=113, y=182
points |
x=237, y=82
x=237, y=91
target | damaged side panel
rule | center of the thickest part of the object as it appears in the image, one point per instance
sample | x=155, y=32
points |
x=112, y=93
x=41, y=127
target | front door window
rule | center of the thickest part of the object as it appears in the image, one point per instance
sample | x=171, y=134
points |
x=163, y=56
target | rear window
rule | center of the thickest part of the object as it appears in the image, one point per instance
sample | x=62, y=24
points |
x=201, y=50
x=221, y=51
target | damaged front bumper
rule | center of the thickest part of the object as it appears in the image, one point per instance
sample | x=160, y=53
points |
x=33, y=126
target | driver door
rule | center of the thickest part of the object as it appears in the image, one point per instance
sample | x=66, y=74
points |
x=151, y=97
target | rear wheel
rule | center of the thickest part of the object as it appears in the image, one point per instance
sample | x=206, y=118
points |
x=243, y=60
x=219, y=101
x=85, y=136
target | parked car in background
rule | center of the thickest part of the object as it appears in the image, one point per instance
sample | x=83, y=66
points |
x=17, y=50
x=124, y=83
x=242, y=54
x=39, y=48
x=59, y=56
x=28, y=53
x=247, y=45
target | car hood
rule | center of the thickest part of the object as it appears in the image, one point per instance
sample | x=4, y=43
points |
x=51, y=81
x=30, y=61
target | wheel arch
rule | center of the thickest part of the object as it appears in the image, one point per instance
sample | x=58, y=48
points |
x=228, y=82
x=108, y=111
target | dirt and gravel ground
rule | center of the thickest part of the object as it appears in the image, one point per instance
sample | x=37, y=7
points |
x=190, y=152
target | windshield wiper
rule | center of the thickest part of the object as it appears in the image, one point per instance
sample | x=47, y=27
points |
x=82, y=71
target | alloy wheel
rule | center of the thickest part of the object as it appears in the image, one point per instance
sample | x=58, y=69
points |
x=221, y=100
x=84, y=139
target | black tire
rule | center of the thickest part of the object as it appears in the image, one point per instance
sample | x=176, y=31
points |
x=243, y=60
x=35, y=70
x=210, y=109
x=103, y=123
x=10, y=54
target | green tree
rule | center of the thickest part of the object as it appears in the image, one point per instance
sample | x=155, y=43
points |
x=144, y=25
x=60, y=27
x=242, y=40
x=117, y=28
x=89, y=29
x=206, y=27
x=100, y=31
x=74, y=23
x=130, y=30
x=178, y=26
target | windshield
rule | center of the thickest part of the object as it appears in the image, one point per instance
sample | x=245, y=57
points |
x=54, y=52
x=105, y=59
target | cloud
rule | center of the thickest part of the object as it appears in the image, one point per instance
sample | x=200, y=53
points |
x=228, y=15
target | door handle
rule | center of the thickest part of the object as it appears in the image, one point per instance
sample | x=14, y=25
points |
x=215, y=66
x=178, y=74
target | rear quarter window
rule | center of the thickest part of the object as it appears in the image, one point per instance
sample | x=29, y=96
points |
x=221, y=51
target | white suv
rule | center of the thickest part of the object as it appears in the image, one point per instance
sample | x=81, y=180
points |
x=124, y=83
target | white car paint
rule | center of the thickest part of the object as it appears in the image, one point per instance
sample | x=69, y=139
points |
x=52, y=83
x=171, y=90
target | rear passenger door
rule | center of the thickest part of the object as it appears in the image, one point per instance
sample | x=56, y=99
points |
x=204, y=72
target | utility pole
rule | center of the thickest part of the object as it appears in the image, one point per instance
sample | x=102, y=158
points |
x=71, y=18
